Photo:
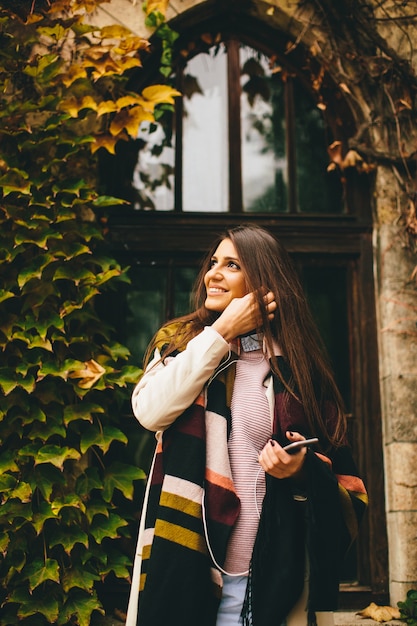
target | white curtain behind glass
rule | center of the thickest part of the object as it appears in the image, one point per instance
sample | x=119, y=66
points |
x=205, y=136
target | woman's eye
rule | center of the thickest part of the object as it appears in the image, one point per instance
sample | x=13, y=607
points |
x=212, y=262
x=234, y=265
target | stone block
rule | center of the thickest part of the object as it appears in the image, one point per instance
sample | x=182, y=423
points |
x=401, y=476
x=401, y=408
x=128, y=13
x=398, y=353
x=176, y=7
x=398, y=591
x=402, y=540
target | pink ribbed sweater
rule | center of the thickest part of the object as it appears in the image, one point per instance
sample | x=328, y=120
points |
x=251, y=429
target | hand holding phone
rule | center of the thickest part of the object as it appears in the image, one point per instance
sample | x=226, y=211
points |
x=295, y=446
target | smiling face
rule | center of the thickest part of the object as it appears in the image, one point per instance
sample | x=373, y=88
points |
x=224, y=280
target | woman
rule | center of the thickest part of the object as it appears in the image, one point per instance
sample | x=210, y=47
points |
x=236, y=529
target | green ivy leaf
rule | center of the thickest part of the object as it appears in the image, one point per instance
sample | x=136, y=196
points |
x=101, y=437
x=80, y=605
x=34, y=269
x=96, y=507
x=106, y=527
x=4, y=542
x=105, y=201
x=70, y=499
x=78, y=577
x=22, y=492
x=6, y=295
x=128, y=374
x=8, y=462
x=67, y=537
x=11, y=510
x=75, y=274
x=81, y=411
x=45, y=604
x=47, y=430
x=40, y=571
x=9, y=380
x=42, y=515
x=87, y=481
x=121, y=476
x=46, y=477
x=117, y=563
x=7, y=482
x=56, y=455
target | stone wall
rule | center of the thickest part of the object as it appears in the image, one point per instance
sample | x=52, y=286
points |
x=397, y=329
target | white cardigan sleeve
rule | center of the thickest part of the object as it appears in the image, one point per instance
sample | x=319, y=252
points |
x=166, y=390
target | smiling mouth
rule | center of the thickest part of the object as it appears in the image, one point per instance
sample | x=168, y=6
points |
x=215, y=290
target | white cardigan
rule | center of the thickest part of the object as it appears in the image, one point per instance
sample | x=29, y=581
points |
x=162, y=394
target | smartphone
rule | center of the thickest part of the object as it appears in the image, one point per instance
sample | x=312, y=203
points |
x=295, y=446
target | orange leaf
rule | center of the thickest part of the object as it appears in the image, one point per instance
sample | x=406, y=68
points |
x=380, y=613
x=88, y=375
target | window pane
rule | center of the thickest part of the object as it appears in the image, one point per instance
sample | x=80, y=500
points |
x=264, y=164
x=145, y=305
x=205, y=134
x=153, y=176
x=318, y=191
x=326, y=289
x=184, y=281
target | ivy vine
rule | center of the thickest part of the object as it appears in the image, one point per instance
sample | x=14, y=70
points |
x=64, y=377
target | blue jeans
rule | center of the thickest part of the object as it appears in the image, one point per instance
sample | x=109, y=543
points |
x=234, y=588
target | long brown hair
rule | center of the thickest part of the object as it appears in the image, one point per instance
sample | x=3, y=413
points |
x=266, y=264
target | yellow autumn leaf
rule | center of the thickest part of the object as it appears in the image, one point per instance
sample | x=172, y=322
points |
x=130, y=120
x=108, y=142
x=157, y=5
x=73, y=106
x=108, y=66
x=115, y=31
x=158, y=94
x=126, y=63
x=126, y=101
x=131, y=44
x=88, y=375
x=380, y=613
x=74, y=73
x=107, y=106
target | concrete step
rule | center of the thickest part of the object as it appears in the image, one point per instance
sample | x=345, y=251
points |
x=350, y=618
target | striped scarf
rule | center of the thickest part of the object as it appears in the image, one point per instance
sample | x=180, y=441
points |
x=178, y=582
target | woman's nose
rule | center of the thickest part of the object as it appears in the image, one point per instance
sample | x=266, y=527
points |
x=215, y=272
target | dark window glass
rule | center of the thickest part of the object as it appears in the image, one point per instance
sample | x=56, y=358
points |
x=318, y=191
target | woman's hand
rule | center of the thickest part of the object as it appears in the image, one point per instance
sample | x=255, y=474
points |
x=275, y=461
x=243, y=315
